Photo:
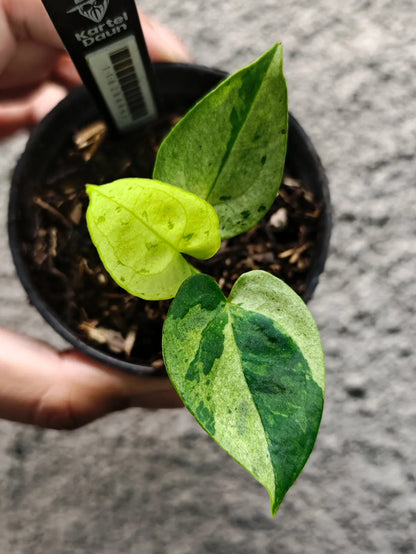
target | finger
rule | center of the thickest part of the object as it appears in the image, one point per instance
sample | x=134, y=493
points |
x=135, y=391
x=162, y=44
x=28, y=20
x=66, y=390
x=30, y=45
x=66, y=73
x=23, y=109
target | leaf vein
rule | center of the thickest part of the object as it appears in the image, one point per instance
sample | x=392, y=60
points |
x=233, y=139
x=149, y=227
x=266, y=435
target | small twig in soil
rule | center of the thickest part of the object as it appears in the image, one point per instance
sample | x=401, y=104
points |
x=53, y=211
x=113, y=339
x=130, y=341
x=89, y=139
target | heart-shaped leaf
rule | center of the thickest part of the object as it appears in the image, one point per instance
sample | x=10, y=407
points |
x=251, y=370
x=140, y=227
x=230, y=148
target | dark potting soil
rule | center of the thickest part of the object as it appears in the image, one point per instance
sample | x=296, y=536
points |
x=68, y=273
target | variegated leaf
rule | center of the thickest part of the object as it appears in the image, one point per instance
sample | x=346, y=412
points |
x=140, y=228
x=230, y=148
x=251, y=370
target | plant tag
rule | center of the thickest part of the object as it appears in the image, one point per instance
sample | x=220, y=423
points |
x=105, y=41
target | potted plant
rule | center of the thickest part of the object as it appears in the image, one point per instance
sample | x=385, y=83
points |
x=250, y=367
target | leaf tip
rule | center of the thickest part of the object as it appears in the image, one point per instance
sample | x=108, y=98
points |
x=274, y=507
x=90, y=188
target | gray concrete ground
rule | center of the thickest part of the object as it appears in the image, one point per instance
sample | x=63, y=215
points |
x=153, y=483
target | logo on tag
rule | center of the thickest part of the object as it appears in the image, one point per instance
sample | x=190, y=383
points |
x=94, y=10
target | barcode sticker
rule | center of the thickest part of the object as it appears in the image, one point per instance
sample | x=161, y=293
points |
x=121, y=77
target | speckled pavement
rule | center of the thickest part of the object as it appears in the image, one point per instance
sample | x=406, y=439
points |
x=152, y=483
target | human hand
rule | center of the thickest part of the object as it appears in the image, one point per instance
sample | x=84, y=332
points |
x=37, y=384
x=35, y=71
x=65, y=390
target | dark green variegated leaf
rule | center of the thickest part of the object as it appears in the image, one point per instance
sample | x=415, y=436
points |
x=230, y=148
x=140, y=227
x=251, y=370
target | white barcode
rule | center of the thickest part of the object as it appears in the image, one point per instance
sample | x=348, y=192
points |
x=121, y=77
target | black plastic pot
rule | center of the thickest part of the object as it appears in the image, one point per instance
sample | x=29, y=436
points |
x=180, y=86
